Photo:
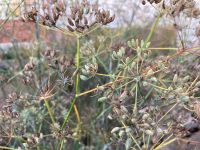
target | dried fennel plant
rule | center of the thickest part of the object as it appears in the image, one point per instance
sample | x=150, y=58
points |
x=138, y=94
x=81, y=19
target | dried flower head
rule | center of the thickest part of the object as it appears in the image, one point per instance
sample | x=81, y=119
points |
x=85, y=15
x=49, y=15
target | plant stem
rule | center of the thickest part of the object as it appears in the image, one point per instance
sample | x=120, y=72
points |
x=61, y=145
x=3, y=147
x=153, y=28
x=50, y=111
x=136, y=99
x=77, y=89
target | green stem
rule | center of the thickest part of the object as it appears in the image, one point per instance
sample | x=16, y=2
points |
x=153, y=28
x=61, y=144
x=136, y=99
x=78, y=65
x=77, y=84
x=6, y=148
x=50, y=111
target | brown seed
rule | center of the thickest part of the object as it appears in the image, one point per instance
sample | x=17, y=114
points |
x=70, y=28
x=80, y=30
x=70, y=22
x=143, y=2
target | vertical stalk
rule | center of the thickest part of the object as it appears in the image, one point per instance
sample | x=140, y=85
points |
x=136, y=99
x=78, y=65
x=49, y=111
x=77, y=89
x=153, y=28
x=61, y=145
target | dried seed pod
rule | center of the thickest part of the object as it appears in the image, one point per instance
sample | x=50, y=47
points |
x=70, y=22
x=80, y=30
x=70, y=28
x=77, y=22
x=143, y=2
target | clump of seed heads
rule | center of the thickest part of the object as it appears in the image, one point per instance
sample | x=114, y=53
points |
x=83, y=16
x=7, y=110
x=48, y=17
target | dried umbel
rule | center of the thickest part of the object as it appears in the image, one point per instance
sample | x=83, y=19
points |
x=7, y=110
x=85, y=15
x=28, y=77
x=31, y=15
x=186, y=6
x=48, y=17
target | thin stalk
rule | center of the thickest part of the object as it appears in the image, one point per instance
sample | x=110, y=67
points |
x=77, y=88
x=135, y=141
x=167, y=112
x=163, y=48
x=153, y=28
x=50, y=111
x=61, y=145
x=96, y=88
x=136, y=99
x=6, y=148
x=69, y=112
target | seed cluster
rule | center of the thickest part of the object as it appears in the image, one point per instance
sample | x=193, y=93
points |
x=7, y=110
x=188, y=7
x=28, y=72
x=48, y=17
x=85, y=15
